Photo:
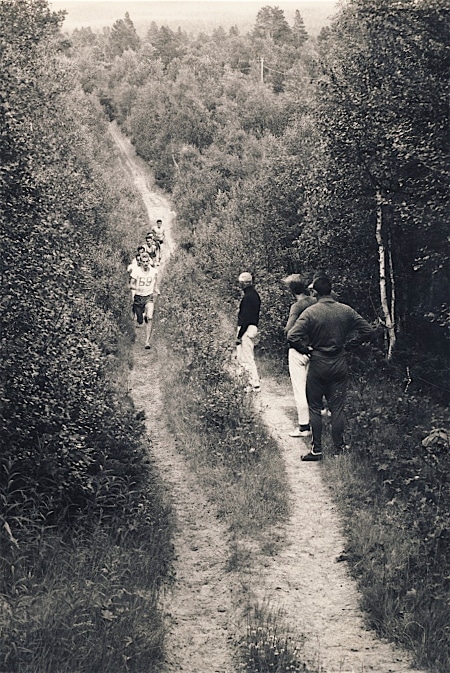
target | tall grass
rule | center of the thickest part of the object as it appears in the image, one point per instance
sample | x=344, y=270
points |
x=394, y=491
x=267, y=645
x=85, y=598
x=210, y=412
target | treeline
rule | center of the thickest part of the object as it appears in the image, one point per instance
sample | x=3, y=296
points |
x=77, y=491
x=283, y=152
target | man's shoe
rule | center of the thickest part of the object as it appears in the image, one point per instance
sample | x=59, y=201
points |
x=300, y=433
x=312, y=457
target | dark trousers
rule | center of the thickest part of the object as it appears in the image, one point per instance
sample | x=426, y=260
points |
x=327, y=376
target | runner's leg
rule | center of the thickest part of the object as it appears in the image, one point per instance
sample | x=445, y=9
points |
x=149, y=307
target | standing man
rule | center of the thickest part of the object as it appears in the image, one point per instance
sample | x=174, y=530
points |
x=321, y=332
x=143, y=283
x=298, y=362
x=248, y=319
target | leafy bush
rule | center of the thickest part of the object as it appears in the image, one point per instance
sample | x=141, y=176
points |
x=394, y=485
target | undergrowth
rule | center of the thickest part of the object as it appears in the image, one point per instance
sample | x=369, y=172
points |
x=394, y=490
x=86, y=599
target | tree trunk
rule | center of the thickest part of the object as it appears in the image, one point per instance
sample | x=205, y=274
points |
x=387, y=294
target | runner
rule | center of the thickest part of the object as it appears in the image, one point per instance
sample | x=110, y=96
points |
x=133, y=266
x=153, y=248
x=135, y=262
x=143, y=283
x=158, y=232
x=159, y=235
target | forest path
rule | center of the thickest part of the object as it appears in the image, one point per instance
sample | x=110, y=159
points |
x=197, y=607
x=304, y=580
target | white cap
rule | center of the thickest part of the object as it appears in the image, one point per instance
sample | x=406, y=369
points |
x=245, y=277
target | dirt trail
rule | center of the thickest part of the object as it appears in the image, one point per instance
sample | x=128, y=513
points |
x=197, y=609
x=304, y=579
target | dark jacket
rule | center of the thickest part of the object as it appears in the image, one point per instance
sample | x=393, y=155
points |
x=323, y=329
x=248, y=310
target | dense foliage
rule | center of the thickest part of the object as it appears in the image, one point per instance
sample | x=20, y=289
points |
x=74, y=471
x=281, y=151
x=63, y=421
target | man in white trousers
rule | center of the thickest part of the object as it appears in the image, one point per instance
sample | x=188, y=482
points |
x=248, y=319
x=298, y=362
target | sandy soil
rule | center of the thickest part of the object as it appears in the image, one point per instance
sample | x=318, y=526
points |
x=303, y=579
x=306, y=579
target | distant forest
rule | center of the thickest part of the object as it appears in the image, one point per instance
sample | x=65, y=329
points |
x=331, y=150
x=193, y=16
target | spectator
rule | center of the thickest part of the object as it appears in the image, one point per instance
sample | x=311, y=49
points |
x=248, y=319
x=298, y=362
x=322, y=332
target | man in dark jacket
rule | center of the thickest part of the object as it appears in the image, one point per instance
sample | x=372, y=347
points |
x=248, y=319
x=322, y=332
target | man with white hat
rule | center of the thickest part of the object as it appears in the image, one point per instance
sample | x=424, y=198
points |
x=248, y=319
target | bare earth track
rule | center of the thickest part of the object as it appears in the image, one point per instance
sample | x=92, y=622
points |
x=304, y=580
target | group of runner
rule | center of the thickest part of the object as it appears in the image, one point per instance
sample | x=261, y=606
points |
x=143, y=278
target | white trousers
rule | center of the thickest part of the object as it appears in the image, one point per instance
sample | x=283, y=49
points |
x=246, y=357
x=298, y=371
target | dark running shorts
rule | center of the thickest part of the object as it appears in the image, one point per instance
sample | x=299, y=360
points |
x=139, y=303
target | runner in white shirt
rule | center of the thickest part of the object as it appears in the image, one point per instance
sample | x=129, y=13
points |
x=143, y=283
x=135, y=262
x=159, y=235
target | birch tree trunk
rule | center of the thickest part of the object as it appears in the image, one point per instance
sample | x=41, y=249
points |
x=385, y=269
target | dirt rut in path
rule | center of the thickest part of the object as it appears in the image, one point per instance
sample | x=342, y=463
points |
x=155, y=201
x=198, y=608
x=305, y=579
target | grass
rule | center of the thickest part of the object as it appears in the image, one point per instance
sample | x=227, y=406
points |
x=87, y=602
x=268, y=646
x=242, y=470
x=392, y=489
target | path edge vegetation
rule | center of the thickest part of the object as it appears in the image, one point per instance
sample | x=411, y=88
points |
x=85, y=524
